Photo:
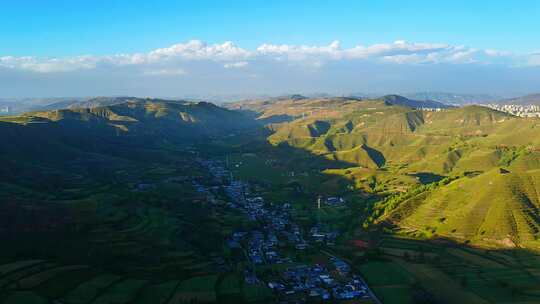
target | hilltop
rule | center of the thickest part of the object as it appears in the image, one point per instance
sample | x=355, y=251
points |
x=135, y=116
x=93, y=102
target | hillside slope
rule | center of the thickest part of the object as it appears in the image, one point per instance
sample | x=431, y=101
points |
x=136, y=118
x=499, y=207
x=64, y=143
x=393, y=149
x=87, y=103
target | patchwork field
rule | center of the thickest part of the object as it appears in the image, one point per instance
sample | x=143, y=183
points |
x=411, y=269
x=80, y=285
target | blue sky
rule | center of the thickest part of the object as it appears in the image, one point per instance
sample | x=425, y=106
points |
x=66, y=30
x=57, y=28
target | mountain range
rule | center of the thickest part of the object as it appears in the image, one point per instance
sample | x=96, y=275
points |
x=532, y=99
x=391, y=147
x=453, y=98
x=130, y=128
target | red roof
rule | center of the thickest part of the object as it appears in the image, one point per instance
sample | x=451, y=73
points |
x=360, y=244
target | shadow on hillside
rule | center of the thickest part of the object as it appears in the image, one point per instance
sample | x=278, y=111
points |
x=375, y=155
x=427, y=177
x=275, y=119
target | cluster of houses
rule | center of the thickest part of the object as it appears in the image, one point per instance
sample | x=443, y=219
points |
x=317, y=282
x=271, y=241
x=319, y=235
x=262, y=244
x=518, y=110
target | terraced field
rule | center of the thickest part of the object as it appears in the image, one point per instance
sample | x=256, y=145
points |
x=501, y=209
x=141, y=254
x=81, y=285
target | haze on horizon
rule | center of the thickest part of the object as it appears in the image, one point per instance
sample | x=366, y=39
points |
x=62, y=48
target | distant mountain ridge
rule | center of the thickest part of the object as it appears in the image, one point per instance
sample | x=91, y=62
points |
x=452, y=98
x=128, y=119
x=87, y=103
x=14, y=106
x=272, y=106
x=416, y=104
x=22, y=105
x=531, y=99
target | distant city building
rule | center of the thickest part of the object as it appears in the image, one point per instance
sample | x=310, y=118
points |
x=517, y=110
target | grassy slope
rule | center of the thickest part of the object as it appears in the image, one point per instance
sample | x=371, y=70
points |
x=391, y=148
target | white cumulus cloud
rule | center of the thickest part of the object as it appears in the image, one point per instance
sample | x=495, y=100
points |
x=48, y=65
x=170, y=60
x=199, y=50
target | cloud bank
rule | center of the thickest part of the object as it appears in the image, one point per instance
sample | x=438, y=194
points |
x=233, y=56
x=198, y=65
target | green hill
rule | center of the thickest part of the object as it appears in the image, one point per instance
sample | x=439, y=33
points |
x=143, y=118
x=115, y=187
x=68, y=142
x=496, y=208
x=397, y=149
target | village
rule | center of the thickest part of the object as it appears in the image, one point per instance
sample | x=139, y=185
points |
x=273, y=249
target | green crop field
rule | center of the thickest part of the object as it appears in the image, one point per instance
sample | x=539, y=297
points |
x=385, y=273
x=452, y=274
